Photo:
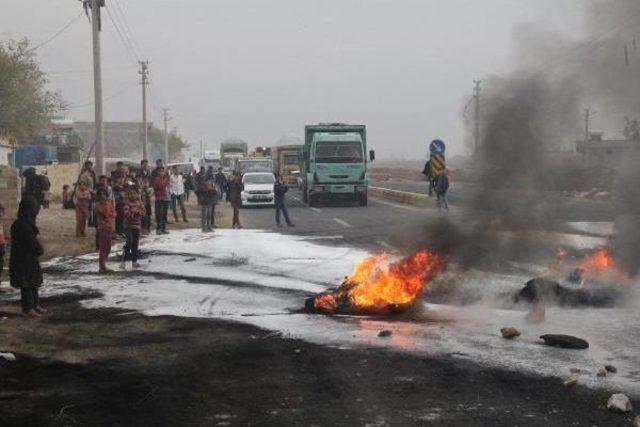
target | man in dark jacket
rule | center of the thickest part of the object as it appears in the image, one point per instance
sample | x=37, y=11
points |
x=24, y=265
x=36, y=187
x=279, y=190
x=236, y=187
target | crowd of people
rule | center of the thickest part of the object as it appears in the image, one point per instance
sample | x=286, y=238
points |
x=118, y=205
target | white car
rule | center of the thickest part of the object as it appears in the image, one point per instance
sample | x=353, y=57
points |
x=258, y=189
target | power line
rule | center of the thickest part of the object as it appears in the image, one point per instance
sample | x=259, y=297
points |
x=59, y=32
x=123, y=18
x=127, y=47
x=112, y=96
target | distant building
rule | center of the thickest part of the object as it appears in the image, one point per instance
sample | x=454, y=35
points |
x=122, y=139
x=6, y=151
x=597, y=151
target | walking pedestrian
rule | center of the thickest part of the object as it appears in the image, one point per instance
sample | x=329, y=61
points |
x=189, y=186
x=3, y=242
x=441, y=185
x=163, y=197
x=82, y=202
x=207, y=199
x=176, y=187
x=236, y=187
x=280, y=188
x=428, y=172
x=24, y=263
x=134, y=212
x=105, y=226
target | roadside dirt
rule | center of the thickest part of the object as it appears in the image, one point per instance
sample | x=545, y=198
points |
x=58, y=229
x=111, y=367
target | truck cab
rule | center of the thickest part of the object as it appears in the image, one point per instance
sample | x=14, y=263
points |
x=334, y=163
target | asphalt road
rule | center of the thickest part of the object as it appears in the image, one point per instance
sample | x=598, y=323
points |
x=462, y=194
x=371, y=227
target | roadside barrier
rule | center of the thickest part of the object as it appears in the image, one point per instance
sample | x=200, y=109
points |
x=403, y=197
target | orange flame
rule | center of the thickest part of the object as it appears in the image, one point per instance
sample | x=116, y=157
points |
x=599, y=261
x=377, y=284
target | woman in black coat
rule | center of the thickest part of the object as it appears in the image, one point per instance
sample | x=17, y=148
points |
x=24, y=266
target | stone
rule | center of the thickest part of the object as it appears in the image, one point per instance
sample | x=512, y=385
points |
x=10, y=357
x=509, y=333
x=602, y=372
x=570, y=382
x=564, y=341
x=619, y=403
x=385, y=333
x=611, y=368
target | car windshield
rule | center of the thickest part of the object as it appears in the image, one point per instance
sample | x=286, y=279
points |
x=265, y=178
x=338, y=152
x=253, y=165
x=290, y=159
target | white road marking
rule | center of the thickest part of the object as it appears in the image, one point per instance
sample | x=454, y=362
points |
x=302, y=203
x=395, y=205
x=336, y=237
x=341, y=222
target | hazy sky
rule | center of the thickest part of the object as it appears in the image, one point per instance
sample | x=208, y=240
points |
x=261, y=69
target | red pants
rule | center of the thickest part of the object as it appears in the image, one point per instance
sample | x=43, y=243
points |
x=104, y=247
x=82, y=214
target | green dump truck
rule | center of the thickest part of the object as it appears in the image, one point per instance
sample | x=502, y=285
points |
x=334, y=164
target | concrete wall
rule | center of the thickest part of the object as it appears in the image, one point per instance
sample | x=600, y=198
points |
x=59, y=175
x=9, y=193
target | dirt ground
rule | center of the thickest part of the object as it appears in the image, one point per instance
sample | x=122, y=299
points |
x=58, y=232
x=110, y=367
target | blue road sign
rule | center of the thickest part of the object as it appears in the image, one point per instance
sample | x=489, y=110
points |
x=437, y=146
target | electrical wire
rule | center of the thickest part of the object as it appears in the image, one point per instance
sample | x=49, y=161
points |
x=58, y=33
x=132, y=55
x=118, y=11
x=112, y=96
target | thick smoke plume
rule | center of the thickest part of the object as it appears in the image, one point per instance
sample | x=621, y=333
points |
x=531, y=117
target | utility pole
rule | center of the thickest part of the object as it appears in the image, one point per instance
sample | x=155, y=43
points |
x=97, y=82
x=165, y=117
x=144, y=74
x=476, y=130
x=588, y=114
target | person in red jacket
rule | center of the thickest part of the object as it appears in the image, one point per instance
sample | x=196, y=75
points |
x=82, y=202
x=134, y=212
x=105, y=226
x=161, y=192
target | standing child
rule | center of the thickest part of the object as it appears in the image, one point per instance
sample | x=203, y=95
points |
x=119, y=198
x=146, y=195
x=24, y=264
x=3, y=242
x=134, y=212
x=105, y=225
x=82, y=201
x=163, y=197
x=67, y=198
x=206, y=198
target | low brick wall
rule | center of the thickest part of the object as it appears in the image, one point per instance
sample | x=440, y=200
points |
x=9, y=192
x=59, y=175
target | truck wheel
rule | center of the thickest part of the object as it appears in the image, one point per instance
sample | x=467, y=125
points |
x=363, y=201
x=313, y=201
x=305, y=196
